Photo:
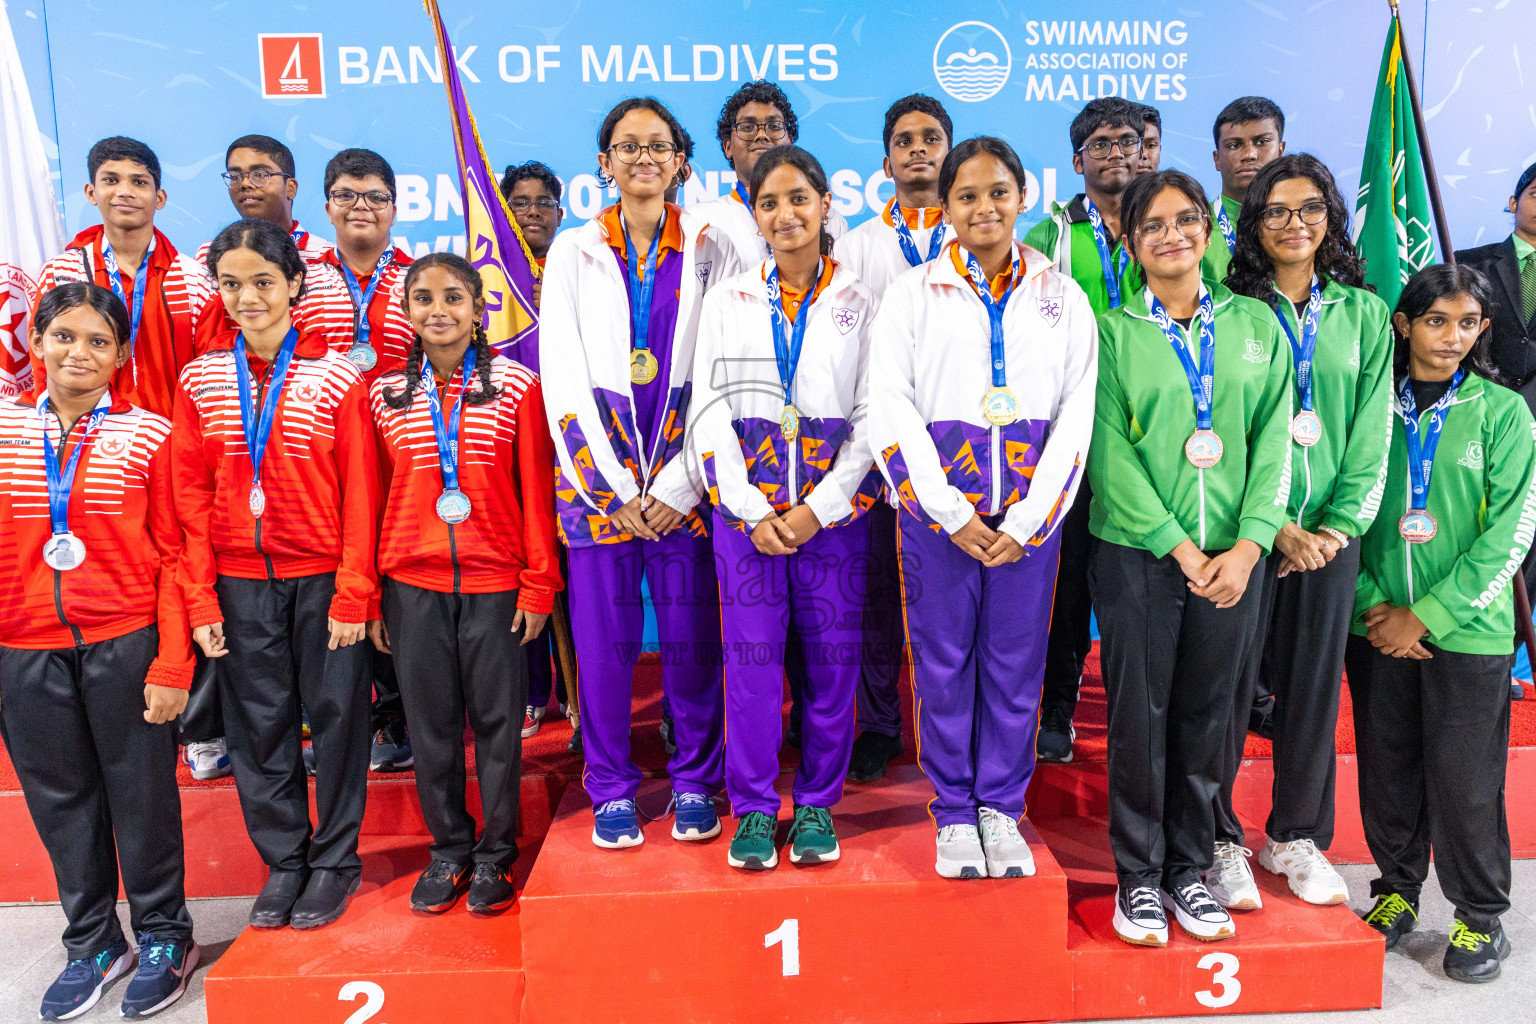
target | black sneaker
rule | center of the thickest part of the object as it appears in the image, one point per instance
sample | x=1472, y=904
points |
x=792, y=734
x=391, y=751
x=1394, y=917
x=1474, y=956
x=1198, y=913
x=1516, y=689
x=492, y=889
x=1054, y=741
x=574, y=746
x=1139, y=917
x=668, y=733
x=440, y=886
x=872, y=753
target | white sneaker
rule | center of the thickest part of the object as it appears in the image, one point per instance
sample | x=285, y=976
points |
x=960, y=853
x=1006, y=852
x=1230, y=880
x=208, y=759
x=532, y=717
x=1311, y=876
x=1198, y=914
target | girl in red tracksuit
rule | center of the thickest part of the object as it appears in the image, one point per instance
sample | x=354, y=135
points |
x=276, y=478
x=468, y=556
x=95, y=659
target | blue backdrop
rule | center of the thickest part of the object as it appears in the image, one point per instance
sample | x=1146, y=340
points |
x=188, y=77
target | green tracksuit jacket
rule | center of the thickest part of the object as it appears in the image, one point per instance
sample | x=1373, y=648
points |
x=1482, y=494
x=1146, y=494
x=1338, y=481
x=1066, y=236
x=1213, y=265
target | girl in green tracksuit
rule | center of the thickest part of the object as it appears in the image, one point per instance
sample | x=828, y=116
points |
x=1430, y=654
x=1191, y=474
x=1294, y=254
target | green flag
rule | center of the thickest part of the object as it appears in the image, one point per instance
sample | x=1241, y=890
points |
x=1393, y=221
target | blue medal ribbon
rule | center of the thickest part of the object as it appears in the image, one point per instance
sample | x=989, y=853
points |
x=1112, y=273
x=1302, y=351
x=1227, y=230
x=908, y=245
x=1202, y=379
x=1421, y=453
x=787, y=342
x=995, y=309
x=641, y=288
x=740, y=189
x=61, y=480
x=448, y=433
x=140, y=281
x=361, y=299
x=258, y=428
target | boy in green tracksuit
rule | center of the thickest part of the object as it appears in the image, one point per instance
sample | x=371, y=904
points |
x=1191, y=473
x=1294, y=254
x=1249, y=133
x=1082, y=236
x=1430, y=657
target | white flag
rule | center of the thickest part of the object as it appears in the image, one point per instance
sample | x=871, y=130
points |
x=31, y=232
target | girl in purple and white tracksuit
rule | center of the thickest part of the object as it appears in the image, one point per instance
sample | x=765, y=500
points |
x=778, y=429
x=982, y=372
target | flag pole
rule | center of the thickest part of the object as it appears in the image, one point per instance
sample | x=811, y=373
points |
x=1525, y=628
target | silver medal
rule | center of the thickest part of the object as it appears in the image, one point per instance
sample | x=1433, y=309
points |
x=64, y=551
x=453, y=506
x=258, y=499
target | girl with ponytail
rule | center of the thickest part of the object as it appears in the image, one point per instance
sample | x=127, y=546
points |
x=469, y=571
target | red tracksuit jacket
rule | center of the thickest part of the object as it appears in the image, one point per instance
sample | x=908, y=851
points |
x=320, y=475
x=121, y=508
x=506, y=468
x=327, y=307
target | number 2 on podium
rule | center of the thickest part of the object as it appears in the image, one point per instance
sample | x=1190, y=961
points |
x=787, y=937
x=371, y=992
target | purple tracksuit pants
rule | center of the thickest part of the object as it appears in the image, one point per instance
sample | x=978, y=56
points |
x=822, y=587
x=607, y=619
x=977, y=641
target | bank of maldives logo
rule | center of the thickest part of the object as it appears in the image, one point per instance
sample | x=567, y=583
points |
x=972, y=61
x=291, y=66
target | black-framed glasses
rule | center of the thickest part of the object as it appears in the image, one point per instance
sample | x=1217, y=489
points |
x=522, y=204
x=1276, y=218
x=1099, y=147
x=346, y=199
x=259, y=177
x=1189, y=224
x=629, y=152
x=746, y=131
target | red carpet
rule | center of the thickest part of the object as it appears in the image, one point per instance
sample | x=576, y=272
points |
x=545, y=753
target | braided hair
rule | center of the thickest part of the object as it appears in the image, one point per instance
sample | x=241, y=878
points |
x=460, y=268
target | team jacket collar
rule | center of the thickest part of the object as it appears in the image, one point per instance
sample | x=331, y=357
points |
x=331, y=256
x=1333, y=292
x=941, y=271
x=1473, y=387
x=91, y=239
x=1135, y=303
x=754, y=283
x=312, y=344
x=119, y=403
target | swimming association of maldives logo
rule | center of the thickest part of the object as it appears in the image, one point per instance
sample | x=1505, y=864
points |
x=291, y=66
x=972, y=61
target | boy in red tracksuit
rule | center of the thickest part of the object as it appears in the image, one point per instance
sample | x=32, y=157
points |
x=470, y=571
x=277, y=487
x=95, y=657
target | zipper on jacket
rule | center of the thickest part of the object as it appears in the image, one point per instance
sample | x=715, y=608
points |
x=1306, y=497
x=261, y=393
x=997, y=469
x=1200, y=475
x=58, y=575
x=453, y=556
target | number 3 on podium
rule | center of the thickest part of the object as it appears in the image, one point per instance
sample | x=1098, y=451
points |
x=787, y=937
x=1223, y=968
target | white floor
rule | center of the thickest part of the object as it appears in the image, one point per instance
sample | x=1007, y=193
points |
x=1415, y=989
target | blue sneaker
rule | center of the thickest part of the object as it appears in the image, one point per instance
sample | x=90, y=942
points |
x=80, y=985
x=696, y=818
x=164, y=970
x=617, y=825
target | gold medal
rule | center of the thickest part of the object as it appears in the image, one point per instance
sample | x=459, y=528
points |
x=1000, y=406
x=789, y=422
x=643, y=366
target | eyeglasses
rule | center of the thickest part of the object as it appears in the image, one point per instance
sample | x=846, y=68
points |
x=1100, y=147
x=746, y=131
x=346, y=199
x=522, y=204
x=1188, y=224
x=258, y=177
x=629, y=152
x=1275, y=218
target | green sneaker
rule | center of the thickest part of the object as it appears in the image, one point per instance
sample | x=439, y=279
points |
x=812, y=839
x=752, y=847
x=1394, y=917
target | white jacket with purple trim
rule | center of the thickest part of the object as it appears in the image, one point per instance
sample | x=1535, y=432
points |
x=930, y=365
